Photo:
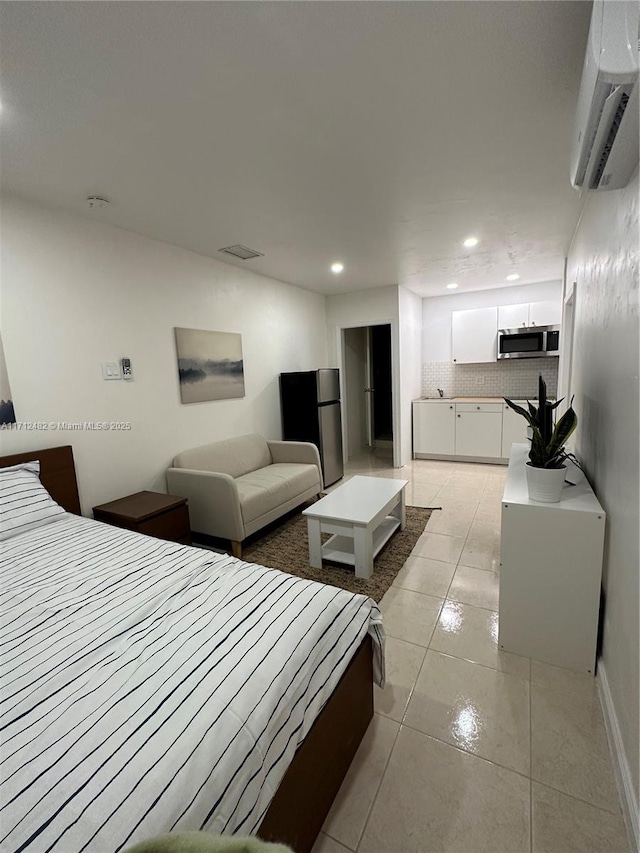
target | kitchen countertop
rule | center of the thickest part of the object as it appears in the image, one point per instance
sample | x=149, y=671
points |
x=460, y=399
x=533, y=398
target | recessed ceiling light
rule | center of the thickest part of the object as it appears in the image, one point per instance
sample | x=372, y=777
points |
x=513, y=277
x=337, y=268
x=452, y=286
x=470, y=242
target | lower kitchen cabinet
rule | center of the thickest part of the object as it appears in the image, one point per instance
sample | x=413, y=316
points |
x=476, y=429
x=514, y=428
x=478, y=433
x=434, y=427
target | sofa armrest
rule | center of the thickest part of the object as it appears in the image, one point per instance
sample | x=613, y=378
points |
x=295, y=451
x=214, y=504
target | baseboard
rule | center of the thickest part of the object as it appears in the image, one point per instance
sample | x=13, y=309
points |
x=621, y=765
x=444, y=457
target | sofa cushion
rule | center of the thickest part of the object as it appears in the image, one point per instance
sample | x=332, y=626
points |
x=263, y=490
x=234, y=456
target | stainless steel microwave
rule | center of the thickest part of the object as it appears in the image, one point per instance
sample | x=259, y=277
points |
x=531, y=342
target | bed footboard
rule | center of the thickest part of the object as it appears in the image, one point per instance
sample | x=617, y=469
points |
x=309, y=786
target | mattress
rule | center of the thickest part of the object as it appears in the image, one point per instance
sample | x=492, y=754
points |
x=148, y=686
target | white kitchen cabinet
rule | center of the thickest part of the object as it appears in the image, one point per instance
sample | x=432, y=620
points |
x=434, y=427
x=479, y=433
x=513, y=316
x=474, y=335
x=467, y=428
x=514, y=428
x=550, y=571
x=545, y=313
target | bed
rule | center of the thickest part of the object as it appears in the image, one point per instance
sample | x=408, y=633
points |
x=150, y=686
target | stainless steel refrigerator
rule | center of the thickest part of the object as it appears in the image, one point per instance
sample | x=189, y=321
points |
x=310, y=404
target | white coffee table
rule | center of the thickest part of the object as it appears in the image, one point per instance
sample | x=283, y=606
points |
x=362, y=515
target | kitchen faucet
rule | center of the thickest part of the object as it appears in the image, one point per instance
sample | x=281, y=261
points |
x=441, y=392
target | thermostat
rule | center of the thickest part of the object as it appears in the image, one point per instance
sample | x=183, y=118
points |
x=127, y=370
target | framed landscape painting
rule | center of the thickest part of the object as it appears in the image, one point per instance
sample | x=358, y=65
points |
x=210, y=365
x=7, y=414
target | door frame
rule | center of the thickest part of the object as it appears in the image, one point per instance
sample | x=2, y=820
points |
x=395, y=380
x=565, y=367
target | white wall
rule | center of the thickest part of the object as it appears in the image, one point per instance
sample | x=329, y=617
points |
x=410, y=325
x=603, y=261
x=436, y=319
x=366, y=308
x=359, y=308
x=76, y=293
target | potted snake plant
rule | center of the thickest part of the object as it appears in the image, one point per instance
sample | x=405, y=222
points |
x=546, y=467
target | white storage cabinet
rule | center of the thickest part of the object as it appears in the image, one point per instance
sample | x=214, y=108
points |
x=434, y=427
x=550, y=570
x=474, y=335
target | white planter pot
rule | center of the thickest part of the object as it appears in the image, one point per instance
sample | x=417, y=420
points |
x=545, y=484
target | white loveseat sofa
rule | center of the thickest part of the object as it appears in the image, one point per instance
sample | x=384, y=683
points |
x=237, y=486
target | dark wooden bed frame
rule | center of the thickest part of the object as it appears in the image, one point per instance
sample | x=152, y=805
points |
x=308, y=788
x=57, y=474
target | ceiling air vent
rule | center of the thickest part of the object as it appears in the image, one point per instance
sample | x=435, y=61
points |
x=241, y=252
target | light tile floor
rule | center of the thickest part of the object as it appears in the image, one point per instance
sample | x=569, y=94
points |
x=471, y=749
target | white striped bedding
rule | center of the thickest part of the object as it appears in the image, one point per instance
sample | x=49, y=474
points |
x=147, y=686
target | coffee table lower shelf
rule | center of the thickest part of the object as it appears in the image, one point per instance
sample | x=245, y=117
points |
x=341, y=549
x=362, y=514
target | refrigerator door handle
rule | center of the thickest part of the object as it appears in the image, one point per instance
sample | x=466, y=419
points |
x=331, y=443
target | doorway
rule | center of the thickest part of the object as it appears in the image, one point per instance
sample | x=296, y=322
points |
x=368, y=390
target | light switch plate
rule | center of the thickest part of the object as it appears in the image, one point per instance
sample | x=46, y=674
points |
x=111, y=370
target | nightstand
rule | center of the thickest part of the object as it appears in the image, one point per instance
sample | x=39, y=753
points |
x=163, y=516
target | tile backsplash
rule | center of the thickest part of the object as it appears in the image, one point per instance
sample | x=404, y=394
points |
x=517, y=378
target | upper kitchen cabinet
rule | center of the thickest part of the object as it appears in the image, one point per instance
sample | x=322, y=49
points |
x=513, y=316
x=530, y=314
x=545, y=313
x=474, y=335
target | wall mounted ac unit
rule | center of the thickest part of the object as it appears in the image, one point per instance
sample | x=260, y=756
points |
x=606, y=134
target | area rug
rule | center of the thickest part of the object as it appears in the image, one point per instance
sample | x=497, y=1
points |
x=286, y=547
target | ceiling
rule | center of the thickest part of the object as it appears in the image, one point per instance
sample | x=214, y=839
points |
x=379, y=134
